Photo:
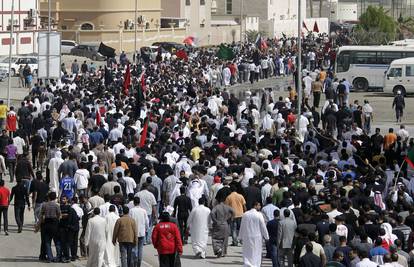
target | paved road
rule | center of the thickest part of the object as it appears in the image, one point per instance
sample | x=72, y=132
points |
x=21, y=250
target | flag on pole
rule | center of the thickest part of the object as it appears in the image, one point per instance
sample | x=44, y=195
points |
x=304, y=26
x=106, y=51
x=182, y=55
x=127, y=80
x=225, y=53
x=144, y=134
x=410, y=158
x=315, y=27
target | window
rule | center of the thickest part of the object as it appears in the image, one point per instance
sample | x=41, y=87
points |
x=202, y=2
x=395, y=72
x=364, y=57
x=87, y=27
x=187, y=2
x=409, y=70
x=343, y=62
x=387, y=57
x=229, y=7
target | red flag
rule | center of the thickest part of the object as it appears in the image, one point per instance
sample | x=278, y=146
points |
x=182, y=55
x=127, y=80
x=304, y=26
x=315, y=27
x=144, y=133
x=143, y=82
x=98, y=118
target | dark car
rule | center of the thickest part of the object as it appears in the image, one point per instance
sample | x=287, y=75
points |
x=170, y=46
x=88, y=51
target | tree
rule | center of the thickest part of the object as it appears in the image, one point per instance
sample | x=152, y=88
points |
x=376, y=20
x=251, y=35
x=405, y=27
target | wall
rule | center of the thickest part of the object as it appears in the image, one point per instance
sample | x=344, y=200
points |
x=290, y=27
x=124, y=40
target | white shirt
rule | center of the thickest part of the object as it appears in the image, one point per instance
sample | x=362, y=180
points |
x=333, y=214
x=147, y=200
x=114, y=134
x=19, y=143
x=141, y=219
x=130, y=185
x=366, y=263
x=105, y=209
x=118, y=147
x=81, y=178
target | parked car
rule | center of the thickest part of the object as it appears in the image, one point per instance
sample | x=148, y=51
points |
x=66, y=46
x=88, y=51
x=16, y=62
x=170, y=46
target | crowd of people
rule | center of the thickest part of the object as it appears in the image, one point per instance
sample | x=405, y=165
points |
x=116, y=158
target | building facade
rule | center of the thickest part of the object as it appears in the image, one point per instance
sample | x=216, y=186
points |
x=26, y=22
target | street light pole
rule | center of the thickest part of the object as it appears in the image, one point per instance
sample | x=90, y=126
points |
x=241, y=20
x=10, y=53
x=299, y=67
x=49, y=30
x=135, y=29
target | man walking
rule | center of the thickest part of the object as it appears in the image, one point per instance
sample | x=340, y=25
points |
x=4, y=206
x=141, y=220
x=125, y=232
x=95, y=239
x=399, y=105
x=273, y=230
x=238, y=203
x=198, y=224
x=167, y=241
x=21, y=197
x=287, y=228
x=252, y=231
x=111, y=250
x=220, y=215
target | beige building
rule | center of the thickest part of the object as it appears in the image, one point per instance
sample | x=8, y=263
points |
x=112, y=22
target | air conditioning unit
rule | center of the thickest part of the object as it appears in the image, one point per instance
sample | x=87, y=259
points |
x=141, y=20
x=32, y=13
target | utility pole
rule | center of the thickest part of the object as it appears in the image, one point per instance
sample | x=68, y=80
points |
x=299, y=67
x=241, y=20
x=10, y=53
x=49, y=30
x=135, y=29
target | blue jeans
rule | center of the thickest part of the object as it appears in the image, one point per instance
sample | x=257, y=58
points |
x=126, y=254
x=274, y=255
x=149, y=231
x=137, y=251
x=235, y=227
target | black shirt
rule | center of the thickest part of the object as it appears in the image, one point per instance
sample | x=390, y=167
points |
x=96, y=182
x=20, y=194
x=41, y=188
x=183, y=203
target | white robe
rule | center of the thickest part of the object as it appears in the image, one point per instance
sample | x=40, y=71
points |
x=54, y=165
x=198, y=222
x=252, y=231
x=226, y=76
x=95, y=238
x=196, y=189
x=111, y=252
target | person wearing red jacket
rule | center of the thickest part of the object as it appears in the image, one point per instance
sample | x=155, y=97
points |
x=4, y=205
x=166, y=239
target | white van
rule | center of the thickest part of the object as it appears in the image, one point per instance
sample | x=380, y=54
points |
x=400, y=76
x=18, y=61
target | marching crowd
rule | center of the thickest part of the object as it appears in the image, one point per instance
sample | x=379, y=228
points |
x=116, y=158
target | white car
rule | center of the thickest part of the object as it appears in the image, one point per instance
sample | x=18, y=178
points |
x=66, y=46
x=16, y=62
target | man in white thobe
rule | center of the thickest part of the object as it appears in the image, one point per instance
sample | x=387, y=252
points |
x=198, y=222
x=111, y=252
x=95, y=239
x=252, y=231
x=226, y=76
x=54, y=165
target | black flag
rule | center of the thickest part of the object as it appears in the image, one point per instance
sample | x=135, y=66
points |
x=106, y=51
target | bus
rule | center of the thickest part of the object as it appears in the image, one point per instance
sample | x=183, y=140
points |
x=365, y=66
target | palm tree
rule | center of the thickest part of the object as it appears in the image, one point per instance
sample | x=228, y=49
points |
x=405, y=27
